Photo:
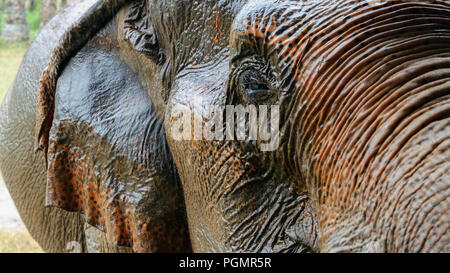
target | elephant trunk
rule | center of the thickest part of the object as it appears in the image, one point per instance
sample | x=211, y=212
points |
x=373, y=89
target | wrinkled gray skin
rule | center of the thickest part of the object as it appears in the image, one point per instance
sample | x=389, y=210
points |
x=351, y=175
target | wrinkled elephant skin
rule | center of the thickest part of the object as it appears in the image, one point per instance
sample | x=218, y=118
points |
x=364, y=93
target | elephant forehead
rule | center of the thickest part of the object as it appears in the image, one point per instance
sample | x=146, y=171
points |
x=280, y=23
x=185, y=14
x=191, y=29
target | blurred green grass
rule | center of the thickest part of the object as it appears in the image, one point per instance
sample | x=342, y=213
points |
x=17, y=242
x=10, y=58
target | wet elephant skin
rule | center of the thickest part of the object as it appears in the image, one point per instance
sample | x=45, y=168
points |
x=22, y=169
x=122, y=179
x=108, y=156
x=363, y=86
x=363, y=89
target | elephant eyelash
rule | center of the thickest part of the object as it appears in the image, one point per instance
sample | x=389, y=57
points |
x=255, y=86
x=251, y=82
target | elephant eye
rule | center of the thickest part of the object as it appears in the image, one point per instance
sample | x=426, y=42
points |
x=255, y=88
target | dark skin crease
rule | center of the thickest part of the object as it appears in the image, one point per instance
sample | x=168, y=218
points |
x=363, y=91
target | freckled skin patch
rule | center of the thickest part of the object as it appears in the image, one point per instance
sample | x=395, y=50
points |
x=76, y=182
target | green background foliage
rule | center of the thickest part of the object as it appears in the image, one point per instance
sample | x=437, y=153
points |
x=11, y=54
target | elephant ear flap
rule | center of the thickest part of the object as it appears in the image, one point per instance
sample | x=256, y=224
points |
x=93, y=16
x=139, y=32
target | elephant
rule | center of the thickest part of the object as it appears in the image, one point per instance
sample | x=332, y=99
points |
x=362, y=156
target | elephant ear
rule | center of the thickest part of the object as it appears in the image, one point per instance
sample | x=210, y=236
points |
x=107, y=152
x=97, y=13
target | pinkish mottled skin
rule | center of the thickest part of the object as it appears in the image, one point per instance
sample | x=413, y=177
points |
x=364, y=93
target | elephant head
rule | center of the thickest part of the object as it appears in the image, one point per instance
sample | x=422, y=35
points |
x=363, y=97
